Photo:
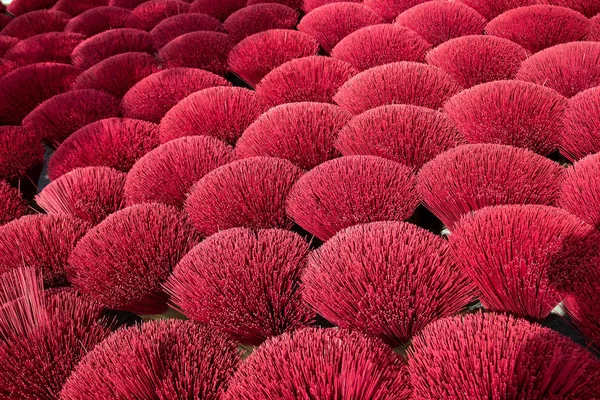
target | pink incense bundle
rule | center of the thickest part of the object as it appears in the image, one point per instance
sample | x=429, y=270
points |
x=123, y=261
x=128, y=4
x=439, y=21
x=257, y=55
x=220, y=10
x=309, y=5
x=41, y=242
x=470, y=177
x=539, y=27
x=117, y=74
x=390, y=9
x=21, y=156
x=168, y=359
x=385, y=279
x=589, y=8
x=509, y=250
x=332, y=22
x=153, y=96
x=46, y=47
x=113, y=142
x=410, y=135
x=22, y=303
x=35, y=23
x=568, y=68
x=7, y=66
x=166, y=174
x=98, y=20
x=491, y=9
x=60, y=327
x=90, y=194
x=132, y=4
x=581, y=133
x=594, y=32
x=580, y=287
x=303, y=133
x=180, y=24
x=380, y=44
x=476, y=59
x=485, y=356
x=6, y=42
x=582, y=305
x=221, y=112
x=24, y=88
x=148, y=14
x=580, y=192
x=248, y=193
x=296, y=4
x=515, y=113
x=20, y=7
x=314, y=79
x=12, y=204
x=397, y=83
x=4, y=20
x=245, y=284
x=76, y=7
x=112, y=42
x=258, y=18
x=321, y=364
x=349, y=191
x=203, y=50
x=58, y=117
